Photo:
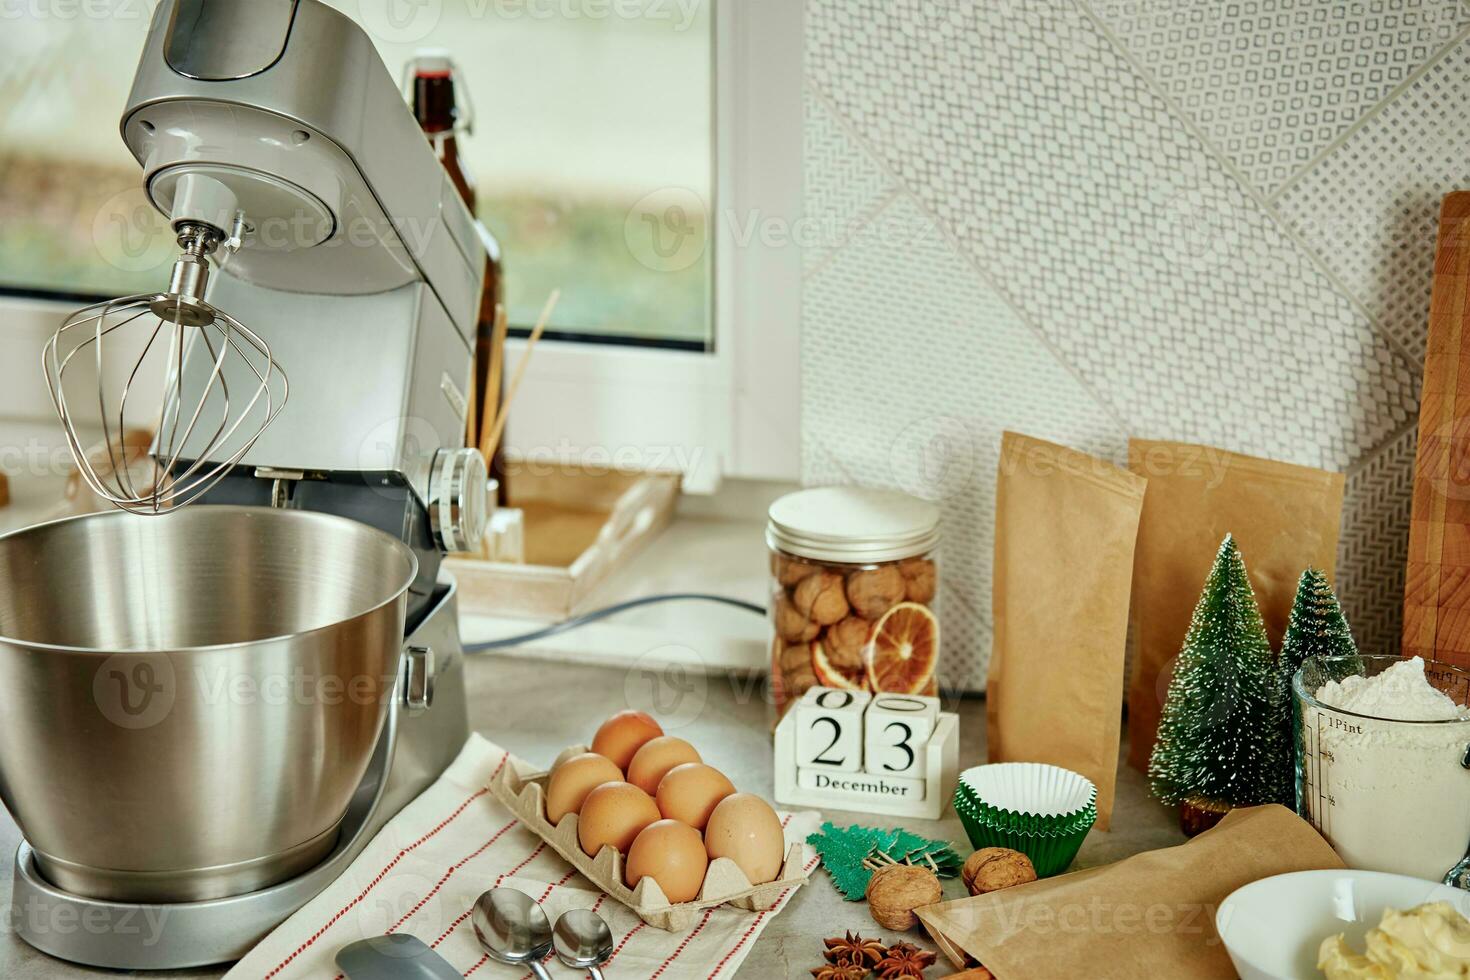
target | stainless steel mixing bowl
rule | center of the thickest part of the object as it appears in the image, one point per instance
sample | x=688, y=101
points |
x=191, y=700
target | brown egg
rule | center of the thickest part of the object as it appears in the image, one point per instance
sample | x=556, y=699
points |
x=690, y=793
x=672, y=854
x=614, y=813
x=624, y=734
x=576, y=777
x=746, y=830
x=657, y=756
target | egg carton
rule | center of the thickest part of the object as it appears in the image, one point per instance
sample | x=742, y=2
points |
x=523, y=791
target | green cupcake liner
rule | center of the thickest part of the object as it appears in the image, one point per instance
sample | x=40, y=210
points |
x=1029, y=823
x=1050, y=837
x=1050, y=854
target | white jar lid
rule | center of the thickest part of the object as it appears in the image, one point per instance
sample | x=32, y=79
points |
x=853, y=525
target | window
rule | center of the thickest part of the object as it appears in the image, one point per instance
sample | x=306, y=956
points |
x=592, y=148
x=605, y=132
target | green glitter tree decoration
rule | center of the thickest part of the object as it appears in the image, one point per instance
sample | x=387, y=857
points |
x=1216, y=745
x=1317, y=628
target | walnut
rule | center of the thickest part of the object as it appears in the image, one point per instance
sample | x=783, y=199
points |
x=791, y=625
x=874, y=591
x=797, y=676
x=895, y=891
x=919, y=578
x=790, y=571
x=992, y=868
x=820, y=598
x=846, y=643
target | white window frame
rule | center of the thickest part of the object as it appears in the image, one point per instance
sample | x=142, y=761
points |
x=733, y=412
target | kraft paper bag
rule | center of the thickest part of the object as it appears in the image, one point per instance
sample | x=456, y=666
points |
x=1150, y=915
x=1065, y=526
x=1284, y=517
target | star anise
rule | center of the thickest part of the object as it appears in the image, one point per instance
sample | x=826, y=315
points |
x=840, y=971
x=904, y=961
x=854, y=950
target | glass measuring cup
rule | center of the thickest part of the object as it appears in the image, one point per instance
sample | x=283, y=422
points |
x=1389, y=795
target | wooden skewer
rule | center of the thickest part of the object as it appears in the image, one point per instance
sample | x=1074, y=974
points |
x=472, y=414
x=491, y=408
x=488, y=445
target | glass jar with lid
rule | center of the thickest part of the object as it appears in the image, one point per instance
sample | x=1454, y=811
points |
x=854, y=582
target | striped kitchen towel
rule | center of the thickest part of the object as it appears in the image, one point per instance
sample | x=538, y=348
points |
x=422, y=874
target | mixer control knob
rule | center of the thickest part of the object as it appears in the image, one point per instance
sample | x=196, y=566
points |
x=459, y=499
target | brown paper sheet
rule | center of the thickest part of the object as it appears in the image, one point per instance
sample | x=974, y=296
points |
x=1284, y=518
x=1065, y=526
x=1150, y=915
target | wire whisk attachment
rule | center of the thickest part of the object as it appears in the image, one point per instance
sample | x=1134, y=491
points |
x=205, y=383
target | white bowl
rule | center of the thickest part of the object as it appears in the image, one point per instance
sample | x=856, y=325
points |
x=1272, y=928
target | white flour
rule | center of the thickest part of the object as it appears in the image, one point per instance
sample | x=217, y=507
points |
x=1388, y=791
x=1401, y=692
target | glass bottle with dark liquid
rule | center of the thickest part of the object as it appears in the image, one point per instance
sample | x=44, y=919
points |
x=442, y=117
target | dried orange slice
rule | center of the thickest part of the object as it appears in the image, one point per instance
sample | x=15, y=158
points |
x=904, y=649
x=831, y=675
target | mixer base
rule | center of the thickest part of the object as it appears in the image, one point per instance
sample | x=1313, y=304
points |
x=412, y=751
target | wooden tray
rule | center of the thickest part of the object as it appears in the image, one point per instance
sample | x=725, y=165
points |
x=523, y=791
x=580, y=528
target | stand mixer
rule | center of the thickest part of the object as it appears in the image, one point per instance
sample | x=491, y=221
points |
x=318, y=234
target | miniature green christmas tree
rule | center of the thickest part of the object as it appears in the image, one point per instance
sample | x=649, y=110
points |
x=1317, y=628
x=1216, y=744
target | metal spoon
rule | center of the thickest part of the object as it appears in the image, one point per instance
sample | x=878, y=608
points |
x=513, y=929
x=583, y=941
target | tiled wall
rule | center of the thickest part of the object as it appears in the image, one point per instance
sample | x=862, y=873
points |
x=1209, y=220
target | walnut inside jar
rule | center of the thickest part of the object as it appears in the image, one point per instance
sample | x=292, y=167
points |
x=846, y=642
x=790, y=571
x=791, y=625
x=820, y=598
x=920, y=580
x=874, y=591
x=795, y=662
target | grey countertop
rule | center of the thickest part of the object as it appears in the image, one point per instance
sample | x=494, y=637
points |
x=536, y=708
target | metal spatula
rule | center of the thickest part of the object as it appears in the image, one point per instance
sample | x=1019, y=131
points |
x=394, y=958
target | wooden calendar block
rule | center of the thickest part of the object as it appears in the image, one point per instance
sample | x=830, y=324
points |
x=895, y=731
x=893, y=789
x=925, y=793
x=829, y=729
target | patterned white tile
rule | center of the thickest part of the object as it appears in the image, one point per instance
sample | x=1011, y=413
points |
x=911, y=368
x=843, y=185
x=1149, y=268
x=1167, y=298
x=1374, y=548
x=1272, y=83
x=1371, y=207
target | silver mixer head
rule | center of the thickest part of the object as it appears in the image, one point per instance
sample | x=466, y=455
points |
x=143, y=338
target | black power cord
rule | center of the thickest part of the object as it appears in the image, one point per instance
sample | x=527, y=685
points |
x=604, y=613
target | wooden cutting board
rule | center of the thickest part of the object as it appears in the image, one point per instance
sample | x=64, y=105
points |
x=1437, y=586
